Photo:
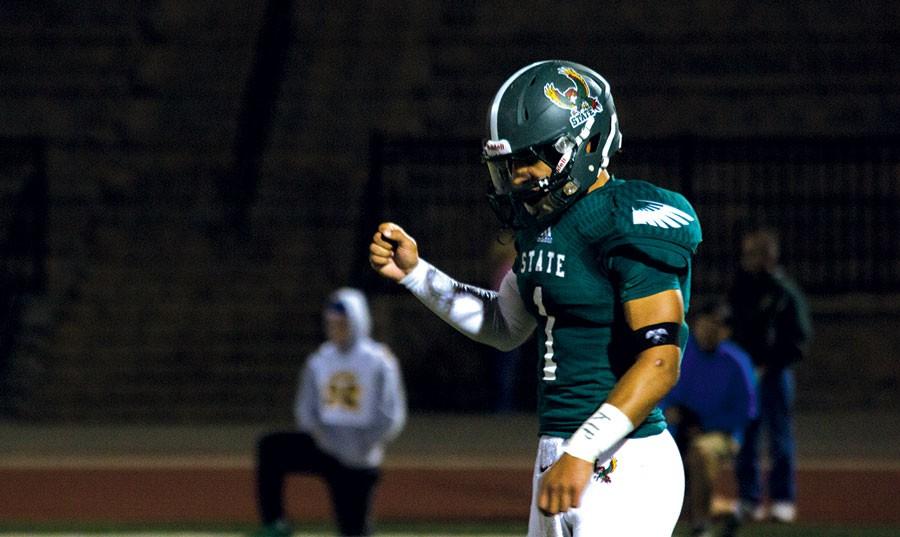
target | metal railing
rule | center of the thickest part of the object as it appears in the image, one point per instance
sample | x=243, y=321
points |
x=23, y=206
x=23, y=242
x=834, y=201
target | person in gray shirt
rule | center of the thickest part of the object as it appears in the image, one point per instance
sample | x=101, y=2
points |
x=350, y=404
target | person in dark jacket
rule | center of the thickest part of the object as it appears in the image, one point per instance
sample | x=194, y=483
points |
x=770, y=319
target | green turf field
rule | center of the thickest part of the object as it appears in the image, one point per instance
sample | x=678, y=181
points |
x=408, y=530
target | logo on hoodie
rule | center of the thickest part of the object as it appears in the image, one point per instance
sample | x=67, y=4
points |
x=343, y=391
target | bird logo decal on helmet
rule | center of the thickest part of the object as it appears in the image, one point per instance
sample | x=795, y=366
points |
x=577, y=98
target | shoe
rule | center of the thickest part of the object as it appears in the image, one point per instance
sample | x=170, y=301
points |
x=748, y=511
x=279, y=528
x=730, y=526
x=783, y=512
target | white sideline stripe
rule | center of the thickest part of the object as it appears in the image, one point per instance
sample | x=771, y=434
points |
x=117, y=462
x=427, y=461
x=239, y=462
x=232, y=534
x=849, y=464
x=419, y=534
x=128, y=534
x=461, y=462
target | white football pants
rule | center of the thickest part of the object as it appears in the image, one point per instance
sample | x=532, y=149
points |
x=636, y=491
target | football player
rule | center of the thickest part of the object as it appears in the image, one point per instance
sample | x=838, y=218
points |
x=602, y=273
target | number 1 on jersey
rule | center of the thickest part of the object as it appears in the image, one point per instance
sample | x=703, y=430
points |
x=549, y=364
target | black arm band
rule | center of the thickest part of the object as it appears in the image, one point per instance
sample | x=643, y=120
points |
x=654, y=335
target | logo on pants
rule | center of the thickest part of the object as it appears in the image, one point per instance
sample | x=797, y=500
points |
x=601, y=472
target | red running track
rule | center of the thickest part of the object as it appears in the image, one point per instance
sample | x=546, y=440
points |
x=179, y=494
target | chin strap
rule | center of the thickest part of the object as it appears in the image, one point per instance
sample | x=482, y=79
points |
x=552, y=196
x=554, y=200
x=567, y=147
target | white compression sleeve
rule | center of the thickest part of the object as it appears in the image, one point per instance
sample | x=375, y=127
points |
x=496, y=318
x=599, y=433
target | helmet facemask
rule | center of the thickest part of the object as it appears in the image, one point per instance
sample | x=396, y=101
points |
x=537, y=201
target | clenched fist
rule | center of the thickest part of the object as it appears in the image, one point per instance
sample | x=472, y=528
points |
x=393, y=253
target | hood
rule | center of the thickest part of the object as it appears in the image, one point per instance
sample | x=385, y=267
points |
x=357, y=308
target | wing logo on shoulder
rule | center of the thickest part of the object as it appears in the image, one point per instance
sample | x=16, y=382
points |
x=660, y=215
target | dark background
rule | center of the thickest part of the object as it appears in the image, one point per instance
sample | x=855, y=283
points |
x=184, y=182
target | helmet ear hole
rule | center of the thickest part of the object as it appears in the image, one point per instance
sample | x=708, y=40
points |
x=592, y=144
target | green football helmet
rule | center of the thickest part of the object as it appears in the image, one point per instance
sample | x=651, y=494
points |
x=561, y=113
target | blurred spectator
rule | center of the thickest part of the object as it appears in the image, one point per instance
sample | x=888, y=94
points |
x=771, y=320
x=350, y=404
x=709, y=408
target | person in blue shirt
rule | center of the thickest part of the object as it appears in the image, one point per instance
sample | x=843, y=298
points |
x=710, y=407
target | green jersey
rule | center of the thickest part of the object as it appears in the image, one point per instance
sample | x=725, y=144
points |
x=626, y=240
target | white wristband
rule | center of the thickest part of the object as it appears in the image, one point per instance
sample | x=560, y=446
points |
x=599, y=433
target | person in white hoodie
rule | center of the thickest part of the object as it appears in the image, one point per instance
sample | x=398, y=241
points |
x=350, y=404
